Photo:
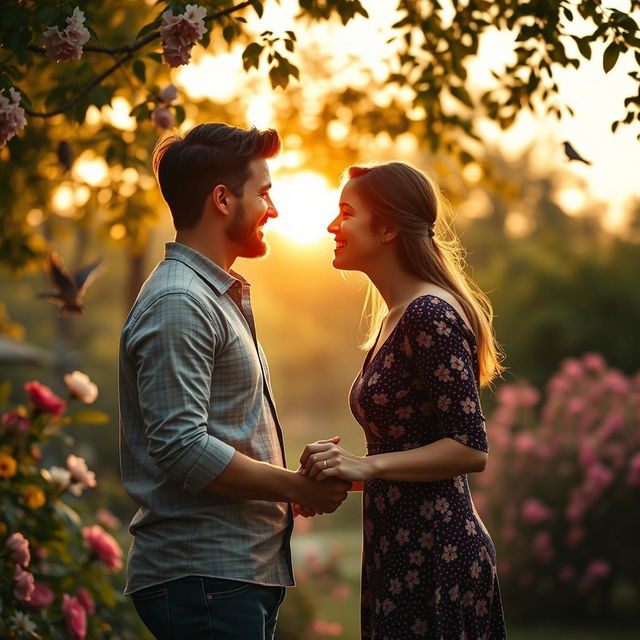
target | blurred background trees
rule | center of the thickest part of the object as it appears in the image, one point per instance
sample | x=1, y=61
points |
x=447, y=86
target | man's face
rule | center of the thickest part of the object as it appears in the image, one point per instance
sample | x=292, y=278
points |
x=251, y=212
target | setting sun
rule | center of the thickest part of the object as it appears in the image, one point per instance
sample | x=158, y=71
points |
x=306, y=204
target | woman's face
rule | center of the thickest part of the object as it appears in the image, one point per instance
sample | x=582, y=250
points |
x=357, y=241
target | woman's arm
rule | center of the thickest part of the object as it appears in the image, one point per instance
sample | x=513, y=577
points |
x=440, y=460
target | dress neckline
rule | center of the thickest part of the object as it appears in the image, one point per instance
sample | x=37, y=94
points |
x=369, y=358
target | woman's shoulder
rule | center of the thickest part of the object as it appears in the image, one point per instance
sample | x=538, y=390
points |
x=434, y=311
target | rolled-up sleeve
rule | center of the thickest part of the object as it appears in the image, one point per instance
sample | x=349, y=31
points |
x=172, y=347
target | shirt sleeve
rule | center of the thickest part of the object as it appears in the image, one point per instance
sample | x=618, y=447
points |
x=438, y=346
x=172, y=347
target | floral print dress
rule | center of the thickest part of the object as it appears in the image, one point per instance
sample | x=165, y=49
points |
x=428, y=565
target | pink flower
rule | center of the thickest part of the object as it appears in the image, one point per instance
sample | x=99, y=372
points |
x=44, y=399
x=534, y=512
x=597, y=569
x=566, y=573
x=594, y=362
x=42, y=596
x=588, y=455
x=524, y=443
x=162, y=118
x=85, y=600
x=168, y=94
x=633, y=477
x=575, y=536
x=508, y=396
x=18, y=547
x=179, y=34
x=24, y=584
x=76, y=616
x=612, y=425
x=104, y=546
x=572, y=368
x=16, y=422
x=617, y=382
x=106, y=518
x=67, y=45
x=543, y=547
x=12, y=117
x=600, y=475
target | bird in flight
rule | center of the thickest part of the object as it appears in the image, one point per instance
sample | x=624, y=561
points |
x=572, y=154
x=70, y=289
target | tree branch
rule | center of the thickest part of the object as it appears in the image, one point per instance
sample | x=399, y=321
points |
x=128, y=50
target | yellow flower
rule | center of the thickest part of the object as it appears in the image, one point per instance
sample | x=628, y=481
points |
x=3, y=529
x=8, y=466
x=33, y=496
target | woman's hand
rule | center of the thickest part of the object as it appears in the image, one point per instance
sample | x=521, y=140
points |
x=325, y=459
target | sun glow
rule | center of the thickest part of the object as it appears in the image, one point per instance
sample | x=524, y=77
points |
x=306, y=204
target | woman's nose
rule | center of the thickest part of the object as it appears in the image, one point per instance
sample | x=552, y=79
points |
x=334, y=225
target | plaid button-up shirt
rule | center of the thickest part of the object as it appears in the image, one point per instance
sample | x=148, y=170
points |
x=195, y=388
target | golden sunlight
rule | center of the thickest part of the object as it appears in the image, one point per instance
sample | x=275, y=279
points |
x=306, y=204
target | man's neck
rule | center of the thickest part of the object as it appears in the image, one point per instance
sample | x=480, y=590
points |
x=202, y=244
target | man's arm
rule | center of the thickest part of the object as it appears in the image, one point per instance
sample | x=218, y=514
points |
x=246, y=478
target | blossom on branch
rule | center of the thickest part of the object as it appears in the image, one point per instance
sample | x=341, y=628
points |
x=44, y=399
x=179, y=34
x=104, y=546
x=18, y=547
x=67, y=45
x=76, y=617
x=80, y=475
x=162, y=118
x=168, y=94
x=12, y=117
x=24, y=584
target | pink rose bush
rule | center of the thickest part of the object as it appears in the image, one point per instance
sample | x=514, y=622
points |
x=67, y=45
x=12, y=117
x=179, y=34
x=55, y=569
x=562, y=488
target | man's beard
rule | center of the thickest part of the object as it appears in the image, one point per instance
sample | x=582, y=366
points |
x=246, y=236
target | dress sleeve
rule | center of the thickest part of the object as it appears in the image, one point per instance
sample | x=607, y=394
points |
x=438, y=347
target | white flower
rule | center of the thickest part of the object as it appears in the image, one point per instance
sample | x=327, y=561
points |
x=67, y=45
x=179, y=34
x=168, y=94
x=12, y=117
x=80, y=386
x=22, y=623
x=80, y=473
x=60, y=478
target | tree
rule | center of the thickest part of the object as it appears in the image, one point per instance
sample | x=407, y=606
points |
x=122, y=50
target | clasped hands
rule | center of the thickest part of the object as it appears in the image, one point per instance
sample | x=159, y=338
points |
x=325, y=461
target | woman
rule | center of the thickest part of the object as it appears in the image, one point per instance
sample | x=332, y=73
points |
x=429, y=567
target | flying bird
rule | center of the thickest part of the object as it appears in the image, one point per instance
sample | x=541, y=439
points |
x=572, y=154
x=70, y=289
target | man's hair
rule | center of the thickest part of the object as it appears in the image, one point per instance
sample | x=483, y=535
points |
x=189, y=167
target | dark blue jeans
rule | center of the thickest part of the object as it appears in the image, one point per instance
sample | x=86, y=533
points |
x=197, y=608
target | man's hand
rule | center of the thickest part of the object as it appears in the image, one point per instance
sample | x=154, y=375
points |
x=321, y=497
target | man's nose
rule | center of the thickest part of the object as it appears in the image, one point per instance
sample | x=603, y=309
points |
x=272, y=212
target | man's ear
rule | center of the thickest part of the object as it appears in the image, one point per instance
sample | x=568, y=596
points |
x=220, y=198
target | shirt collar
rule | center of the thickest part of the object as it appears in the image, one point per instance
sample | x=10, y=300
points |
x=214, y=274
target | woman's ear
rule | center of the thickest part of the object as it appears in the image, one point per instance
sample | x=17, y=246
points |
x=389, y=233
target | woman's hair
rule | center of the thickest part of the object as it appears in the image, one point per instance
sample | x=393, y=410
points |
x=403, y=197
x=189, y=167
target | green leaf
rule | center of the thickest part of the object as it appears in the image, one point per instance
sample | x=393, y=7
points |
x=289, y=45
x=257, y=5
x=180, y=114
x=229, y=33
x=584, y=47
x=140, y=70
x=99, y=96
x=251, y=56
x=461, y=94
x=614, y=126
x=47, y=15
x=90, y=416
x=156, y=57
x=5, y=392
x=610, y=57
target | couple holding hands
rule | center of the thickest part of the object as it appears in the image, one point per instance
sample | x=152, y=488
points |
x=202, y=451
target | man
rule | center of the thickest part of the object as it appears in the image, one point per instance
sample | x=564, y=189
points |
x=201, y=448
